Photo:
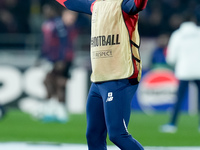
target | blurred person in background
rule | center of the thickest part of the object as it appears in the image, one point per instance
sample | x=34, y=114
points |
x=116, y=69
x=59, y=35
x=159, y=54
x=14, y=19
x=184, y=54
x=14, y=16
x=8, y=23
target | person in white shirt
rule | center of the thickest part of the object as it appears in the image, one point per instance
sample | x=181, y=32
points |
x=183, y=54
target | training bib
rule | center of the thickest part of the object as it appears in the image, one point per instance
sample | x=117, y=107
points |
x=114, y=55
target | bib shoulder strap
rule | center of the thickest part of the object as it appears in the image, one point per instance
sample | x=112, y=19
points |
x=134, y=44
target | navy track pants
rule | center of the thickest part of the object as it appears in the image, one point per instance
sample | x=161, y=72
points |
x=108, y=111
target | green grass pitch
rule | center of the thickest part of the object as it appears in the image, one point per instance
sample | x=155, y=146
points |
x=18, y=126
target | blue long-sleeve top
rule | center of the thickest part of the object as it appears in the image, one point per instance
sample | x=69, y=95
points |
x=130, y=7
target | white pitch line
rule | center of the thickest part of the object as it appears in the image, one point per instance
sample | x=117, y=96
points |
x=50, y=146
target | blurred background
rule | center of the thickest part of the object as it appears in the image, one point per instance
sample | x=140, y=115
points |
x=43, y=45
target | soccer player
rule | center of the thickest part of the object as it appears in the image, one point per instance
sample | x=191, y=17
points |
x=59, y=34
x=183, y=54
x=116, y=69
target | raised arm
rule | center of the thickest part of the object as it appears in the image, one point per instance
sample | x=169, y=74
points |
x=82, y=6
x=132, y=7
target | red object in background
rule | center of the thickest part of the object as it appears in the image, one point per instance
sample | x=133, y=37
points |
x=159, y=77
x=61, y=2
x=157, y=90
